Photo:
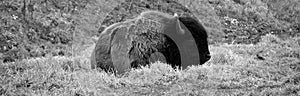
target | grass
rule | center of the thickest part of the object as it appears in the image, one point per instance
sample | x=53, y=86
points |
x=270, y=67
x=233, y=70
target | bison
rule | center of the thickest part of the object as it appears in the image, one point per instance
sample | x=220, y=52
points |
x=153, y=35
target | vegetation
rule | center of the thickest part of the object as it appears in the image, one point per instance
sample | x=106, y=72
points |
x=233, y=70
x=65, y=27
x=255, y=47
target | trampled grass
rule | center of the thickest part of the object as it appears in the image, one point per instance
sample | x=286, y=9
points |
x=271, y=67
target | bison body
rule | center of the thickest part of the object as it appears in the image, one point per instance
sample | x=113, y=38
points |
x=179, y=41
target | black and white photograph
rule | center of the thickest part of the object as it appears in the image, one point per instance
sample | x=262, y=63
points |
x=149, y=47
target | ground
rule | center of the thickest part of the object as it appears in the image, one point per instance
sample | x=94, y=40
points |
x=233, y=70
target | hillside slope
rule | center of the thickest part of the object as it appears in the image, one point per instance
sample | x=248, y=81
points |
x=66, y=27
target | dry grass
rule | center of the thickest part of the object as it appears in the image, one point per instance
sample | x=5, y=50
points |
x=233, y=70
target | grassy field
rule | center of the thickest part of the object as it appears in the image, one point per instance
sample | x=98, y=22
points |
x=271, y=67
x=61, y=34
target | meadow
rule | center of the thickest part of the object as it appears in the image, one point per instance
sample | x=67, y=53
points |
x=271, y=67
x=255, y=48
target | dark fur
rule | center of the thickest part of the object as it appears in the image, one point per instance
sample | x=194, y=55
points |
x=200, y=35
